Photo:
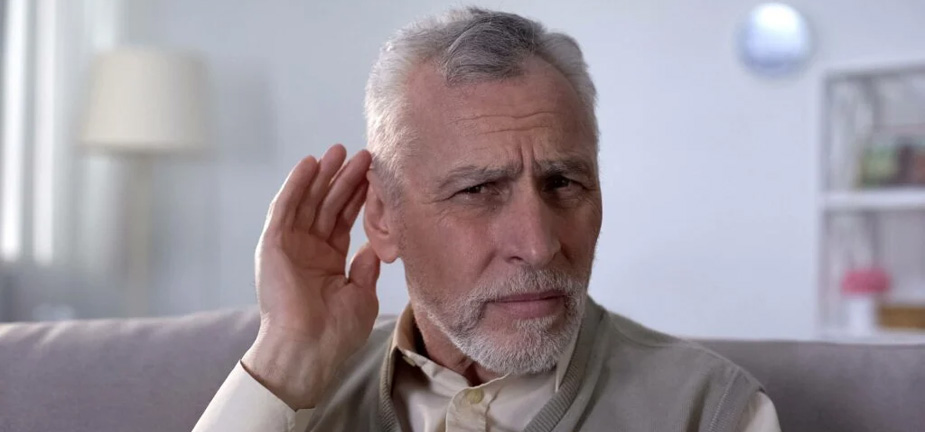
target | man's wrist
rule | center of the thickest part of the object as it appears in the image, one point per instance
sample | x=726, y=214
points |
x=288, y=370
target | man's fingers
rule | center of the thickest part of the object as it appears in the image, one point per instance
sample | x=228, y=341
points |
x=364, y=269
x=349, y=215
x=286, y=202
x=340, y=236
x=344, y=188
x=328, y=166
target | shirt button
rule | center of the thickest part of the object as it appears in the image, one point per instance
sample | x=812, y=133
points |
x=475, y=396
x=409, y=361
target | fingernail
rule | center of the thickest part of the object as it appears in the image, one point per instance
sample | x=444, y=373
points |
x=326, y=153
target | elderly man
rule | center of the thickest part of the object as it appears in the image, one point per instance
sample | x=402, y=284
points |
x=482, y=176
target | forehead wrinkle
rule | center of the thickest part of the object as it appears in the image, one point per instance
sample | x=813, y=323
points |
x=495, y=123
x=514, y=129
x=507, y=116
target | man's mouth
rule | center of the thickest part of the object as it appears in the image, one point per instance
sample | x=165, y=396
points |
x=530, y=305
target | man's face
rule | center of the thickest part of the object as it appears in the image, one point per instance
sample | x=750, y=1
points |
x=500, y=214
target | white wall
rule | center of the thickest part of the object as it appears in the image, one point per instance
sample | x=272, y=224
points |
x=709, y=173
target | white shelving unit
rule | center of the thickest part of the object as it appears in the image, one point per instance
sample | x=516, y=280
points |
x=865, y=226
x=884, y=200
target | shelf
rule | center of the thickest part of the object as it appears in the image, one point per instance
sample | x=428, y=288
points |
x=865, y=107
x=883, y=199
x=877, y=69
x=881, y=336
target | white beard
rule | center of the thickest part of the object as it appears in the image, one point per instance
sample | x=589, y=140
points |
x=539, y=342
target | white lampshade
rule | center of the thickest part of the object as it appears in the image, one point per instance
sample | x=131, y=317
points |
x=146, y=101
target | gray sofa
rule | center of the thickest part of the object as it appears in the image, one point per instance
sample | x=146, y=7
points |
x=159, y=375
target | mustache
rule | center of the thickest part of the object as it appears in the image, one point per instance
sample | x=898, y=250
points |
x=530, y=281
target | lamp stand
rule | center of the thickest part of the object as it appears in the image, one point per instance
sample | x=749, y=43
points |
x=137, y=294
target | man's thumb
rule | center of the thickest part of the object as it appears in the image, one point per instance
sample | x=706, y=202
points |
x=364, y=268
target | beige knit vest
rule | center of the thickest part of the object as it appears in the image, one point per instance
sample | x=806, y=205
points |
x=622, y=377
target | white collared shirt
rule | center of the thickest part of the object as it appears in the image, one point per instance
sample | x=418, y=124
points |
x=430, y=397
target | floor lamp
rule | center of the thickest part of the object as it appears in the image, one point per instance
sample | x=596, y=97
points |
x=144, y=104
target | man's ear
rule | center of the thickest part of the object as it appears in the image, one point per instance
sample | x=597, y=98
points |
x=378, y=222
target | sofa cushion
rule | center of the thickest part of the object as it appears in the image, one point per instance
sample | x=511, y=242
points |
x=118, y=375
x=820, y=386
x=159, y=375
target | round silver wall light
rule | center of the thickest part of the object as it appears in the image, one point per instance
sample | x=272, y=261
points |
x=774, y=40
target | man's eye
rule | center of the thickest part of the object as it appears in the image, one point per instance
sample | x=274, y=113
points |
x=474, y=190
x=558, y=182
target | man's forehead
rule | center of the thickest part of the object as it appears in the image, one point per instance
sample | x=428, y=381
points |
x=486, y=125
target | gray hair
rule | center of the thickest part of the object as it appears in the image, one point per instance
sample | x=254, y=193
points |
x=467, y=46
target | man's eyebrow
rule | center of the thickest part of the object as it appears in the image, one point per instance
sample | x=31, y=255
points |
x=474, y=174
x=575, y=166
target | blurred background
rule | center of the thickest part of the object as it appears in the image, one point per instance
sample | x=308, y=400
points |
x=763, y=165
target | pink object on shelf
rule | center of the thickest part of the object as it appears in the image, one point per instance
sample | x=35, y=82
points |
x=865, y=281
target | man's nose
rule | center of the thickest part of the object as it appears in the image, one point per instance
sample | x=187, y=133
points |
x=528, y=233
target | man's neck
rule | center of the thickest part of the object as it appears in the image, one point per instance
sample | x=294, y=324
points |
x=432, y=343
